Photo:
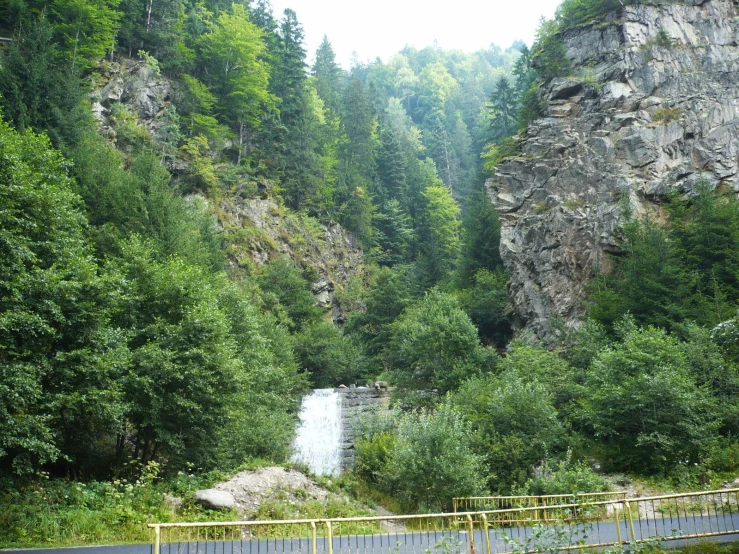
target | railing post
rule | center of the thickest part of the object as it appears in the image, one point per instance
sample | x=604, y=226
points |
x=631, y=521
x=471, y=527
x=487, y=533
x=618, y=525
x=330, y=537
x=157, y=538
x=314, y=538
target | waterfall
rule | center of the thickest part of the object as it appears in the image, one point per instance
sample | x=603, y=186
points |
x=317, y=442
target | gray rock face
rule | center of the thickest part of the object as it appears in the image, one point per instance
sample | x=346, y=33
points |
x=212, y=499
x=645, y=120
x=329, y=251
x=133, y=84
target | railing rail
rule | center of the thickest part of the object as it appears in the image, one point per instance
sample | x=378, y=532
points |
x=568, y=526
x=482, y=503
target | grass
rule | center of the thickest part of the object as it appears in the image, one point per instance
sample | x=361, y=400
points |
x=56, y=512
x=706, y=547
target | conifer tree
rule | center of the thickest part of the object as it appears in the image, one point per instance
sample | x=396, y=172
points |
x=328, y=77
x=391, y=181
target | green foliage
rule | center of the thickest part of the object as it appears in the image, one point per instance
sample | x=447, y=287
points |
x=663, y=116
x=180, y=350
x=663, y=39
x=432, y=461
x=393, y=291
x=393, y=233
x=504, y=110
x=643, y=405
x=84, y=29
x=549, y=56
x=480, y=248
x=571, y=13
x=669, y=274
x=239, y=76
x=485, y=302
x=495, y=153
x=330, y=357
x=288, y=293
x=438, y=233
x=515, y=425
x=650, y=281
x=35, y=92
x=54, y=512
x=434, y=345
x=564, y=477
x=57, y=354
x=532, y=107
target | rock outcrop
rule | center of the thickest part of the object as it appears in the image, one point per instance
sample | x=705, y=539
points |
x=262, y=230
x=653, y=107
x=131, y=83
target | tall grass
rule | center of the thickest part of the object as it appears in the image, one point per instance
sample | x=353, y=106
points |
x=58, y=512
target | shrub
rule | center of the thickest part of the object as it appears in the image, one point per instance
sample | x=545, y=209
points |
x=432, y=461
x=564, y=477
x=515, y=425
x=664, y=116
x=644, y=407
x=434, y=345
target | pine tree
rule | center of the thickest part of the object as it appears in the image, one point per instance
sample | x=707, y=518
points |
x=358, y=150
x=391, y=181
x=504, y=111
x=328, y=77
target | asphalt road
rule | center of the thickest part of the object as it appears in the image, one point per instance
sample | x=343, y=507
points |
x=501, y=540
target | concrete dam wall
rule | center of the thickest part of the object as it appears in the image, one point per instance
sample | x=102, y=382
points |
x=324, y=439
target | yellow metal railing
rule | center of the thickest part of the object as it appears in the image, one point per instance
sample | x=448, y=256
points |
x=485, y=503
x=569, y=526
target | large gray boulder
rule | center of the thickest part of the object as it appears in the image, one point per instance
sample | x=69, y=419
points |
x=634, y=122
x=212, y=499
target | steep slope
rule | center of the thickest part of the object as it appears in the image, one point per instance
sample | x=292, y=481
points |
x=256, y=229
x=652, y=107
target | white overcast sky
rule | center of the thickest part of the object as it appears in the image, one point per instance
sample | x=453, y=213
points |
x=373, y=28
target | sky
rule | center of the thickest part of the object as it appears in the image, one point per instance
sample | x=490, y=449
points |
x=380, y=28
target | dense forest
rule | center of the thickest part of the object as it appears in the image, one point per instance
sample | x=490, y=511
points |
x=132, y=334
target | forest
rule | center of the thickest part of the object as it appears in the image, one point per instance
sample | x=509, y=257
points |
x=135, y=343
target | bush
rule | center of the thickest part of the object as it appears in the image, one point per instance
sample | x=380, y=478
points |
x=549, y=55
x=432, y=461
x=644, y=407
x=434, y=345
x=564, y=477
x=515, y=425
x=287, y=292
x=485, y=303
x=330, y=357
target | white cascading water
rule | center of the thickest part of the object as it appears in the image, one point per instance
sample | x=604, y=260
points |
x=317, y=441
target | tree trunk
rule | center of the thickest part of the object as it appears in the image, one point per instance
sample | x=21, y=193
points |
x=148, y=15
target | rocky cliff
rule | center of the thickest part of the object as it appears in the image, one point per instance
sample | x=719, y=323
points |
x=652, y=106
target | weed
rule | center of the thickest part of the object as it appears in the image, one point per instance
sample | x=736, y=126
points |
x=663, y=116
x=574, y=203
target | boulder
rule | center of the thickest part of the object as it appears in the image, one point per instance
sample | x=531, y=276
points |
x=212, y=499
